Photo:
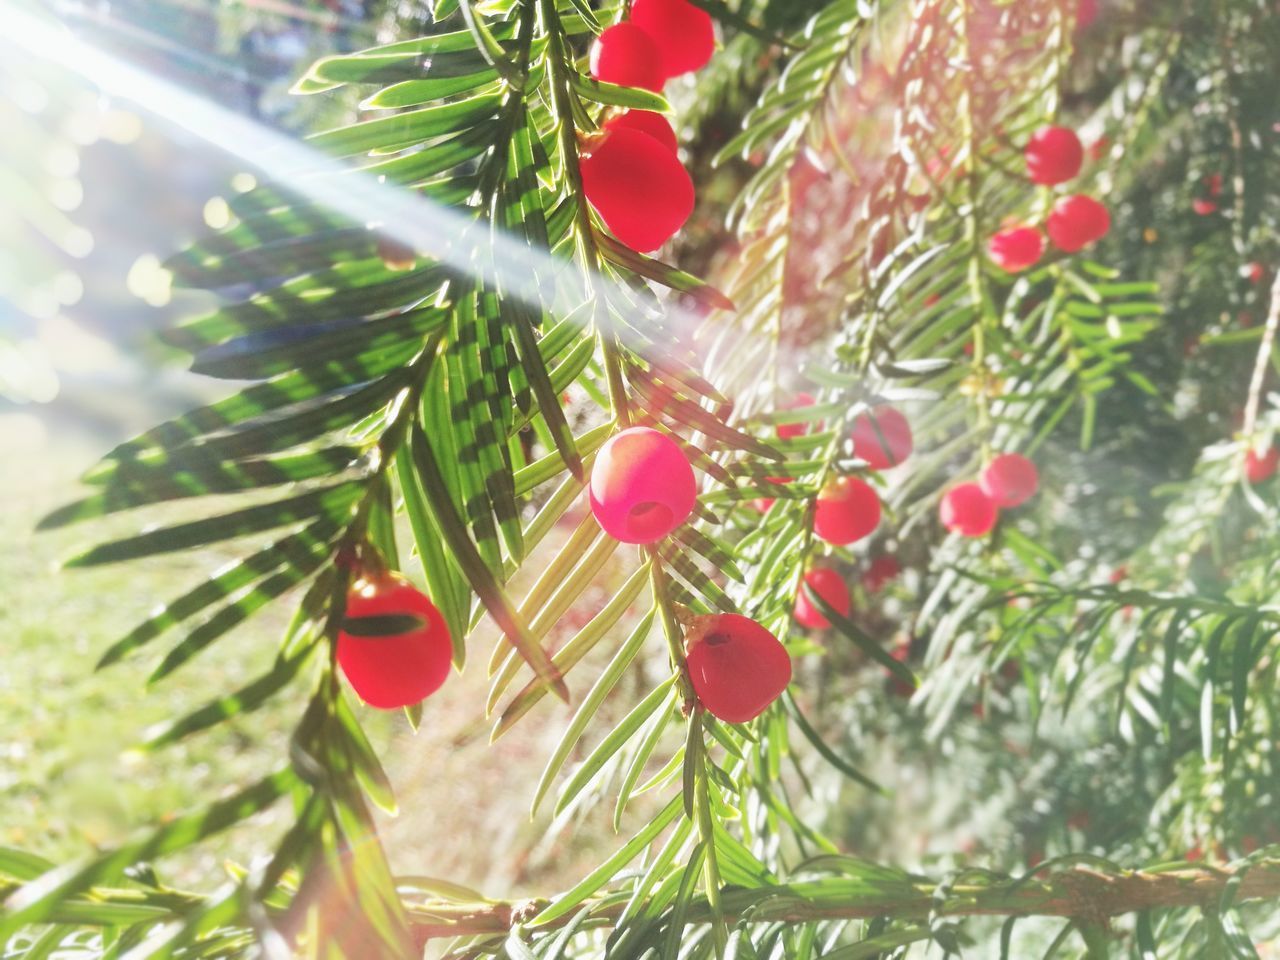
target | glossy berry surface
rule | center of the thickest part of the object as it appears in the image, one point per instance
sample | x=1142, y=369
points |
x=394, y=647
x=1010, y=480
x=737, y=667
x=1054, y=155
x=640, y=189
x=883, y=570
x=642, y=486
x=1016, y=249
x=683, y=34
x=966, y=510
x=848, y=509
x=626, y=55
x=788, y=430
x=882, y=437
x=1076, y=222
x=1260, y=466
x=830, y=586
x=648, y=122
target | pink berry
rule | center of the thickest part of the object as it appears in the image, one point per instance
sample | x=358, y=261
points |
x=1086, y=13
x=736, y=666
x=830, y=586
x=1254, y=272
x=1010, y=480
x=646, y=121
x=684, y=35
x=966, y=510
x=642, y=486
x=1203, y=207
x=394, y=646
x=1260, y=466
x=626, y=55
x=639, y=188
x=1016, y=249
x=847, y=510
x=1076, y=222
x=1054, y=155
x=882, y=437
x=786, y=431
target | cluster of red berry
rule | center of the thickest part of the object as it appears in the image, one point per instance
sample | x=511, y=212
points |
x=631, y=172
x=1054, y=155
x=971, y=509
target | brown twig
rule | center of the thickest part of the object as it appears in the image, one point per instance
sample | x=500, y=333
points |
x=1079, y=893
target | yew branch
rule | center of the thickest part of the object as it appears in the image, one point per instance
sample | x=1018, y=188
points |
x=1078, y=893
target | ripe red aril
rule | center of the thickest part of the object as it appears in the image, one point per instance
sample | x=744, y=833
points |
x=737, y=667
x=638, y=186
x=1076, y=222
x=1054, y=155
x=626, y=55
x=966, y=510
x=684, y=35
x=1253, y=272
x=1086, y=13
x=1203, y=207
x=394, y=646
x=848, y=509
x=1016, y=249
x=1260, y=466
x=788, y=430
x=882, y=437
x=828, y=585
x=1010, y=480
x=883, y=569
x=646, y=121
x=642, y=486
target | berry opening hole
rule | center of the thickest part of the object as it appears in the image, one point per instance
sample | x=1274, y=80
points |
x=715, y=639
x=649, y=519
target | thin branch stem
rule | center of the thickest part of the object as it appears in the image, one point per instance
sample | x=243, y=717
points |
x=1078, y=893
x=1260, y=364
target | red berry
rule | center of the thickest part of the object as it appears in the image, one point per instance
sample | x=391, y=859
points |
x=1213, y=183
x=1016, y=249
x=764, y=503
x=1054, y=155
x=1254, y=272
x=626, y=55
x=1204, y=207
x=639, y=188
x=1010, y=480
x=1076, y=222
x=788, y=430
x=966, y=510
x=882, y=437
x=1260, y=467
x=646, y=121
x=830, y=586
x=1098, y=149
x=642, y=486
x=684, y=35
x=1086, y=13
x=848, y=510
x=737, y=667
x=394, y=646
x=883, y=569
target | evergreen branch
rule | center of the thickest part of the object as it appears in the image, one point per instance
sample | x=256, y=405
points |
x=1080, y=893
